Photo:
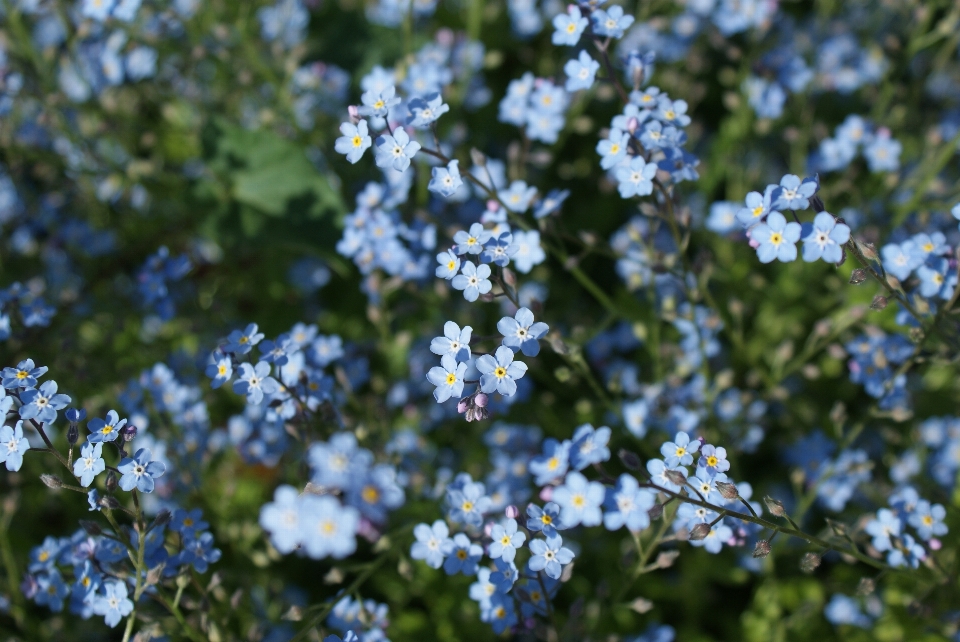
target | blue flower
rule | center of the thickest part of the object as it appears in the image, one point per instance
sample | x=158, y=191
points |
x=25, y=375
x=907, y=552
x=611, y=23
x=569, y=27
x=446, y=180
x=431, y=542
x=198, y=550
x=713, y=459
x=499, y=613
x=449, y=265
x=579, y=501
x=900, y=260
x=777, y=239
x=242, y=342
x=468, y=504
x=498, y=250
x=354, y=142
x=506, y=540
x=553, y=463
x=521, y=333
x=934, y=280
x=378, y=103
x=105, y=430
x=462, y=555
x=581, y=72
x=928, y=519
x=517, y=197
x=504, y=576
x=549, y=556
x=636, y=177
x=499, y=374
x=613, y=149
x=52, y=590
x=471, y=242
x=792, y=194
x=188, y=523
x=473, y=280
x=550, y=203
x=326, y=349
x=426, y=110
x=845, y=610
x=483, y=589
x=327, y=528
x=42, y=404
x=529, y=252
x=955, y=212
x=454, y=342
x=278, y=352
x=756, y=207
x=255, y=381
x=281, y=518
x=883, y=153
x=546, y=519
x=220, y=370
x=12, y=446
x=93, y=500
x=627, y=505
x=89, y=464
x=589, y=446
x=825, y=239
x=679, y=452
x=672, y=112
x=113, y=604
x=448, y=378
x=140, y=471
x=396, y=151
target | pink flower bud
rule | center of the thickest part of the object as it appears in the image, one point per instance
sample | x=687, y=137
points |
x=546, y=494
x=632, y=124
x=463, y=404
x=481, y=400
x=487, y=528
x=512, y=511
x=354, y=114
x=935, y=544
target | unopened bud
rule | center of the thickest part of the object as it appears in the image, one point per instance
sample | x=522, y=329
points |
x=162, y=519
x=630, y=460
x=839, y=528
x=666, y=559
x=699, y=532
x=91, y=528
x=675, y=477
x=479, y=158
x=655, y=511
x=110, y=502
x=866, y=586
x=775, y=506
x=817, y=204
x=728, y=490
x=762, y=549
x=73, y=433
x=512, y=512
x=868, y=250
x=879, y=302
x=51, y=481
x=111, y=481
x=858, y=276
x=809, y=562
x=509, y=277
x=354, y=113
x=155, y=574
x=481, y=400
x=632, y=124
x=129, y=432
x=462, y=405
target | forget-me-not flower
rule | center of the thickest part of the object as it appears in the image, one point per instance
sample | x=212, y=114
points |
x=41, y=404
x=506, y=540
x=446, y=180
x=569, y=27
x=396, y=151
x=431, y=541
x=474, y=280
x=579, y=500
x=499, y=372
x=139, y=471
x=777, y=239
x=448, y=378
x=520, y=333
x=636, y=177
x=354, y=142
x=89, y=464
x=581, y=72
x=549, y=556
x=825, y=239
x=12, y=446
x=255, y=381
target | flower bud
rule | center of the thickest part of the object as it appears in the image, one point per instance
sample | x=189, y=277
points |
x=676, y=477
x=655, y=511
x=775, y=506
x=110, y=502
x=728, y=490
x=817, y=204
x=73, y=433
x=162, y=519
x=866, y=586
x=809, y=562
x=111, y=482
x=91, y=528
x=858, y=276
x=630, y=460
x=512, y=512
x=75, y=416
x=477, y=157
x=762, y=549
x=699, y=532
x=354, y=112
x=879, y=302
x=481, y=400
x=128, y=432
x=51, y=481
x=462, y=405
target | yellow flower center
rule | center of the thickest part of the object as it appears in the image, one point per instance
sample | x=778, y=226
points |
x=546, y=519
x=357, y=141
x=451, y=265
x=370, y=494
x=670, y=114
x=553, y=463
x=222, y=370
x=467, y=506
x=927, y=520
x=776, y=238
x=681, y=451
x=22, y=374
x=571, y=27
x=614, y=148
x=757, y=211
x=712, y=461
x=500, y=372
x=451, y=378
x=461, y=554
x=328, y=528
